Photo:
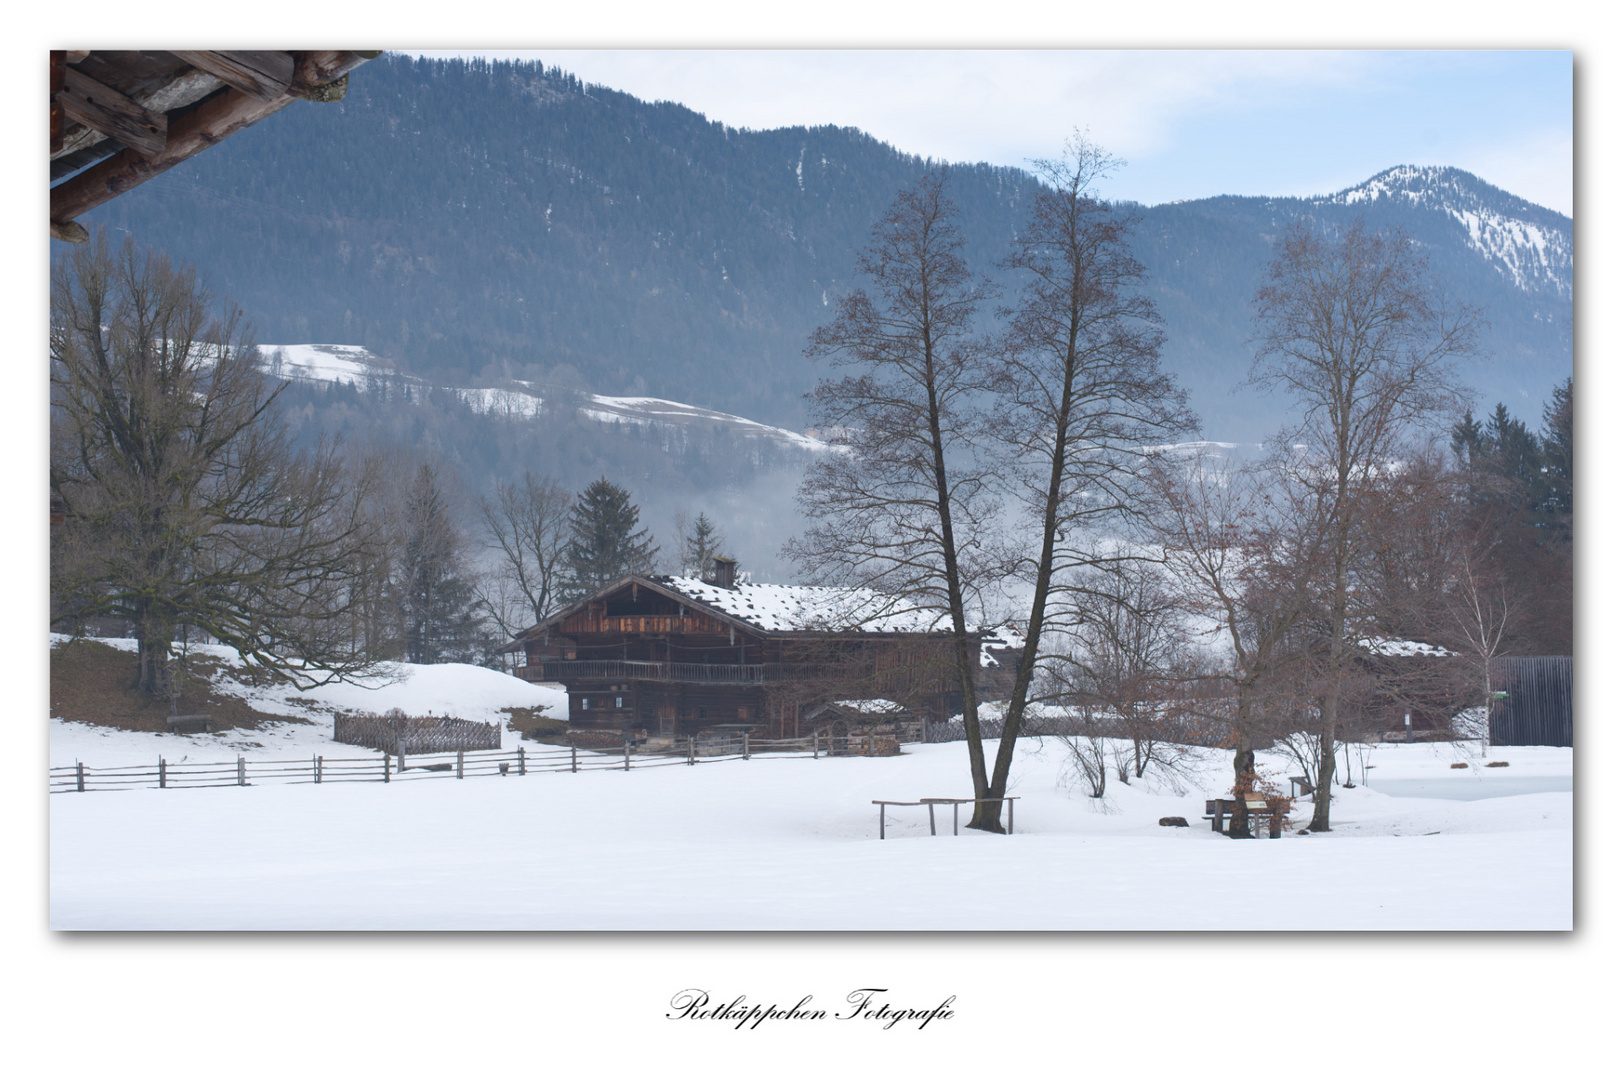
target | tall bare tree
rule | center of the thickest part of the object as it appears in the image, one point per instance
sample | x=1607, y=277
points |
x=1239, y=547
x=903, y=506
x=1351, y=328
x=528, y=523
x=1079, y=394
x=185, y=505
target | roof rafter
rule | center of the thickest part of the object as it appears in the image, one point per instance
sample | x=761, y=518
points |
x=159, y=122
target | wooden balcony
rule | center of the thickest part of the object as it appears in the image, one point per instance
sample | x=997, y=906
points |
x=594, y=622
x=565, y=671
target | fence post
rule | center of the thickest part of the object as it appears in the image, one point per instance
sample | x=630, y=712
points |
x=386, y=760
x=79, y=767
x=745, y=746
x=521, y=770
x=458, y=763
x=691, y=749
x=573, y=758
x=317, y=768
x=163, y=774
x=815, y=745
x=241, y=771
x=627, y=755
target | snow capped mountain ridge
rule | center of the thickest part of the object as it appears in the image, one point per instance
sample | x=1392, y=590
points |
x=1533, y=247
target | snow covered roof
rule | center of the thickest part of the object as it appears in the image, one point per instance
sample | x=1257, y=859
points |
x=871, y=705
x=999, y=637
x=786, y=608
x=1397, y=647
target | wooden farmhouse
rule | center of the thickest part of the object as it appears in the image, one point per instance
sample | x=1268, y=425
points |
x=662, y=657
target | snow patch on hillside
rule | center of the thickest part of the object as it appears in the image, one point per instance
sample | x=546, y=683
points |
x=521, y=400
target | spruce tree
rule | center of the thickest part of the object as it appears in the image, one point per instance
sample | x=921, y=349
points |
x=1558, y=451
x=605, y=542
x=701, y=546
x=438, y=600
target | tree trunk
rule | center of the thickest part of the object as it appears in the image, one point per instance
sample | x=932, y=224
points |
x=1324, y=766
x=1242, y=784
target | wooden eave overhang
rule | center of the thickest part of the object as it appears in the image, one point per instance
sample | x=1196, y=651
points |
x=123, y=117
x=719, y=614
x=560, y=617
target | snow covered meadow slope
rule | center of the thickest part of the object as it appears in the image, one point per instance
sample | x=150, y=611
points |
x=364, y=370
x=778, y=844
x=464, y=691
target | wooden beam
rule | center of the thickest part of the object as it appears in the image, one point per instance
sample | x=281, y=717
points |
x=101, y=107
x=261, y=75
x=66, y=164
x=189, y=87
x=214, y=120
x=58, y=65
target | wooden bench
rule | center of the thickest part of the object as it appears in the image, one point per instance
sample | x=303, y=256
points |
x=1217, y=810
x=884, y=804
x=198, y=724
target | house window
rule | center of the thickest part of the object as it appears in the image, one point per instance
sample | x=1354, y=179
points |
x=742, y=712
x=584, y=703
x=618, y=703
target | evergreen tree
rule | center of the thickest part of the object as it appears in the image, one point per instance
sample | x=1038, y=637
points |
x=1558, y=451
x=1517, y=454
x=701, y=546
x=606, y=543
x=438, y=599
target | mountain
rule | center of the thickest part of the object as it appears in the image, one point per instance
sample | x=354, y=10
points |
x=1513, y=259
x=479, y=223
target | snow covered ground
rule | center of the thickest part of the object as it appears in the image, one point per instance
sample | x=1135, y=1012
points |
x=464, y=691
x=793, y=844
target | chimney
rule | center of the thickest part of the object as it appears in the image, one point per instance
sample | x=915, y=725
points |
x=725, y=572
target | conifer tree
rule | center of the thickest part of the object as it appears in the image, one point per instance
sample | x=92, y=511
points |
x=701, y=545
x=439, y=600
x=605, y=542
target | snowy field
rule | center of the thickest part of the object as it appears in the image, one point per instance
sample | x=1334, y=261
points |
x=788, y=844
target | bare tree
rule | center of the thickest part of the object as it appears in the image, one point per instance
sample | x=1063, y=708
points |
x=1078, y=395
x=185, y=504
x=1135, y=659
x=902, y=507
x=528, y=523
x=1351, y=329
x=1239, y=546
x=1482, y=611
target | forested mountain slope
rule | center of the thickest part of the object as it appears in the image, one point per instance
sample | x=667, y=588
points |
x=479, y=222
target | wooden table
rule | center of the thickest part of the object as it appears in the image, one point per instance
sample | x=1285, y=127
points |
x=1217, y=810
x=884, y=804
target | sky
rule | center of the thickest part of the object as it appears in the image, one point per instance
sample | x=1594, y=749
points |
x=1188, y=123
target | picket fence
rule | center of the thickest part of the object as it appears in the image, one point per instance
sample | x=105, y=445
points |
x=415, y=734
x=394, y=768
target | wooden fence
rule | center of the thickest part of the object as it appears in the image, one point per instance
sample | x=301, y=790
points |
x=415, y=734
x=393, y=767
x=1538, y=706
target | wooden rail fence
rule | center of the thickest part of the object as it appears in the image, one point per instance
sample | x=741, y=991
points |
x=394, y=768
